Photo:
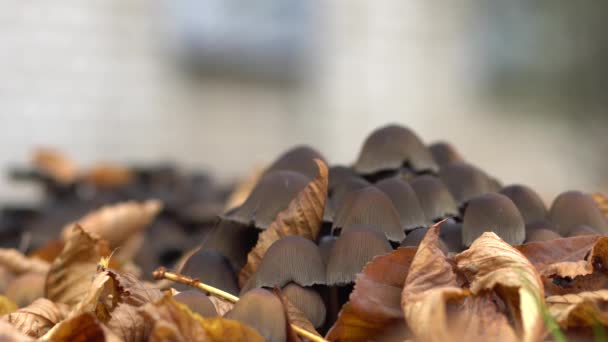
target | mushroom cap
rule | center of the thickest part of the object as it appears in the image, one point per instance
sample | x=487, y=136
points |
x=574, y=208
x=198, y=302
x=299, y=159
x=528, y=202
x=496, y=213
x=232, y=239
x=352, y=251
x=541, y=235
x=444, y=153
x=392, y=146
x=369, y=206
x=291, y=259
x=308, y=301
x=435, y=199
x=405, y=201
x=326, y=243
x=582, y=230
x=211, y=268
x=271, y=195
x=413, y=238
x=263, y=311
x=338, y=174
x=464, y=181
x=451, y=235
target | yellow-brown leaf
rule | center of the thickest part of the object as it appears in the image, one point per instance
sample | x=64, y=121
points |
x=37, y=318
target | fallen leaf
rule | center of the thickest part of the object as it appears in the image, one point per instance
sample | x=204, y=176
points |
x=596, y=260
x=55, y=165
x=602, y=202
x=374, y=302
x=6, y=305
x=544, y=253
x=243, y=189
x=37, y=318
x=302, y=217
x=17, y=263
x=70, y=275
x=108, y=175
x=26, y=288
x=221, y=306
x=48, y=251
x=581, y=310
x=172, y=321
x=117, y=223
x=490, y=264
x=84, y=327
x=294, y=316
x=9, y=333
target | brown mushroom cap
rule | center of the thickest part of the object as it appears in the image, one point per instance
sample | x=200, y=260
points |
x=464, y=181
x=263, y=311
x=541, y=235
x=291, y=259
x=451, y=235
x=308, y=301
x=392, y=146
x=528, y=202
x=371, y=207
x=413, y=238
x=326, y=243
x=435, y=199
x=198, y=302
x=444, y=153
x=354, y=248
x=299, y=159
x=232, y=239
x=582, y=230
x=405, y=201
x=496, y=213
x=574, y=208
x=346, y=186
x=338, y=174
x=211, y=268
x=271, y=195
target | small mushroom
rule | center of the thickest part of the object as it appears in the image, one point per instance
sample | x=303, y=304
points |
x=390, y=147
x=541, y=235
x=451, y=235
x=198, y=302
x=371, y=207
x=355, y=247
x=299, y=159
x=308, y=301
x=464, y=181
x=211, y=268
x=232, y=239
x=528, y=202
x=574, y=208
x=413, y=238
x=435, y=199
x=496, y=213
x=263, y=311
x=444, y=153
x=271, y=195
x=582, y=230
x=405, y=201
x=325, y=245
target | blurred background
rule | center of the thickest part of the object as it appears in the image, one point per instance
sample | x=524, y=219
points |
x=519, y=87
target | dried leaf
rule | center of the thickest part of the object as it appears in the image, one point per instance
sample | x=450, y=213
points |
x=26, y=288
x=84, y=327
x=544, y=253
x=243, y=189
x=294, y=316
x=221, y=306
x=580, y=310
x=16, y=262
x=71, y=273
x=117, y=223
x=37, y=318
x=602, y=202
x=49, y=251
x=9, y=333
x=302, y=217
x=172, y=321
x=107, y=175
x=596, y=259
x=6, y=306
x=374, y=303
x=490, y=264
x=55, y=165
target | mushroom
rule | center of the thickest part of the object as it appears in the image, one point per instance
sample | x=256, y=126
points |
x=263, y=311
x=434, y=197
x=198, y=302
x=299, y=159
x=541, y=235
x=308, y=301
x=464, y=181
x=212, y=268
x=528, y=202
x=444, y=153
x=232, y=239
x=574, y=208
x=405, y=201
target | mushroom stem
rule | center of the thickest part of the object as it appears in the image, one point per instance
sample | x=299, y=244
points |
x=162, y=273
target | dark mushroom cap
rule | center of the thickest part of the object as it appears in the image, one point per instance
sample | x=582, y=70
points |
x=541, y=235
x=308, y=301
x=369, y=206
x=582, y=230
x=299, y=159
x=413, y=238
x=435, y=199
x=392, y=146
x=574, y=208
x=198, y=302
x=263, y=311
x=326, y=243
x=496, y=213
x=347, y=186
x=444, y=153
x=528, y=202
x=291, y=259
x=405, y=201
x=271, y=195
x=354, y=248
x=338, y=174
x=232, y=239
x=451, y=235
x=540, y=224
x=464, y=181
x=211, y=268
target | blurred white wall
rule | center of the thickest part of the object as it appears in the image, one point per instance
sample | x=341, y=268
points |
x=93, y=79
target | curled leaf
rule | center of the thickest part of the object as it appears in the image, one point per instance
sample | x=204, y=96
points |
x=544, y=253
x=581, y=310
x=595, y=260
x=221, y=306
x=9, y=333
x=16, y=262
x=106, y=175
x=302, y=217
x=55, y=165
x=37, y=318
x=84, y=327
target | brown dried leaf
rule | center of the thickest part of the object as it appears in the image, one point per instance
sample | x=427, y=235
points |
x=602, y=202
x=490, y=264
x=374, y=303
x=37, y=318
x=172, y=321
x=243, y=189
x=26, y=288
x=7, y=306
x=17, y=263
x=84, y=327
x=117, y=223
x=544, y=253
x=108, y=175
x=294, y=316
x=49, y=251
x=581, y=310
x=71, y=273
x=55, y=165
x=221, y=306
x=302, y=217
x=9, y=333
x=596, y=259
